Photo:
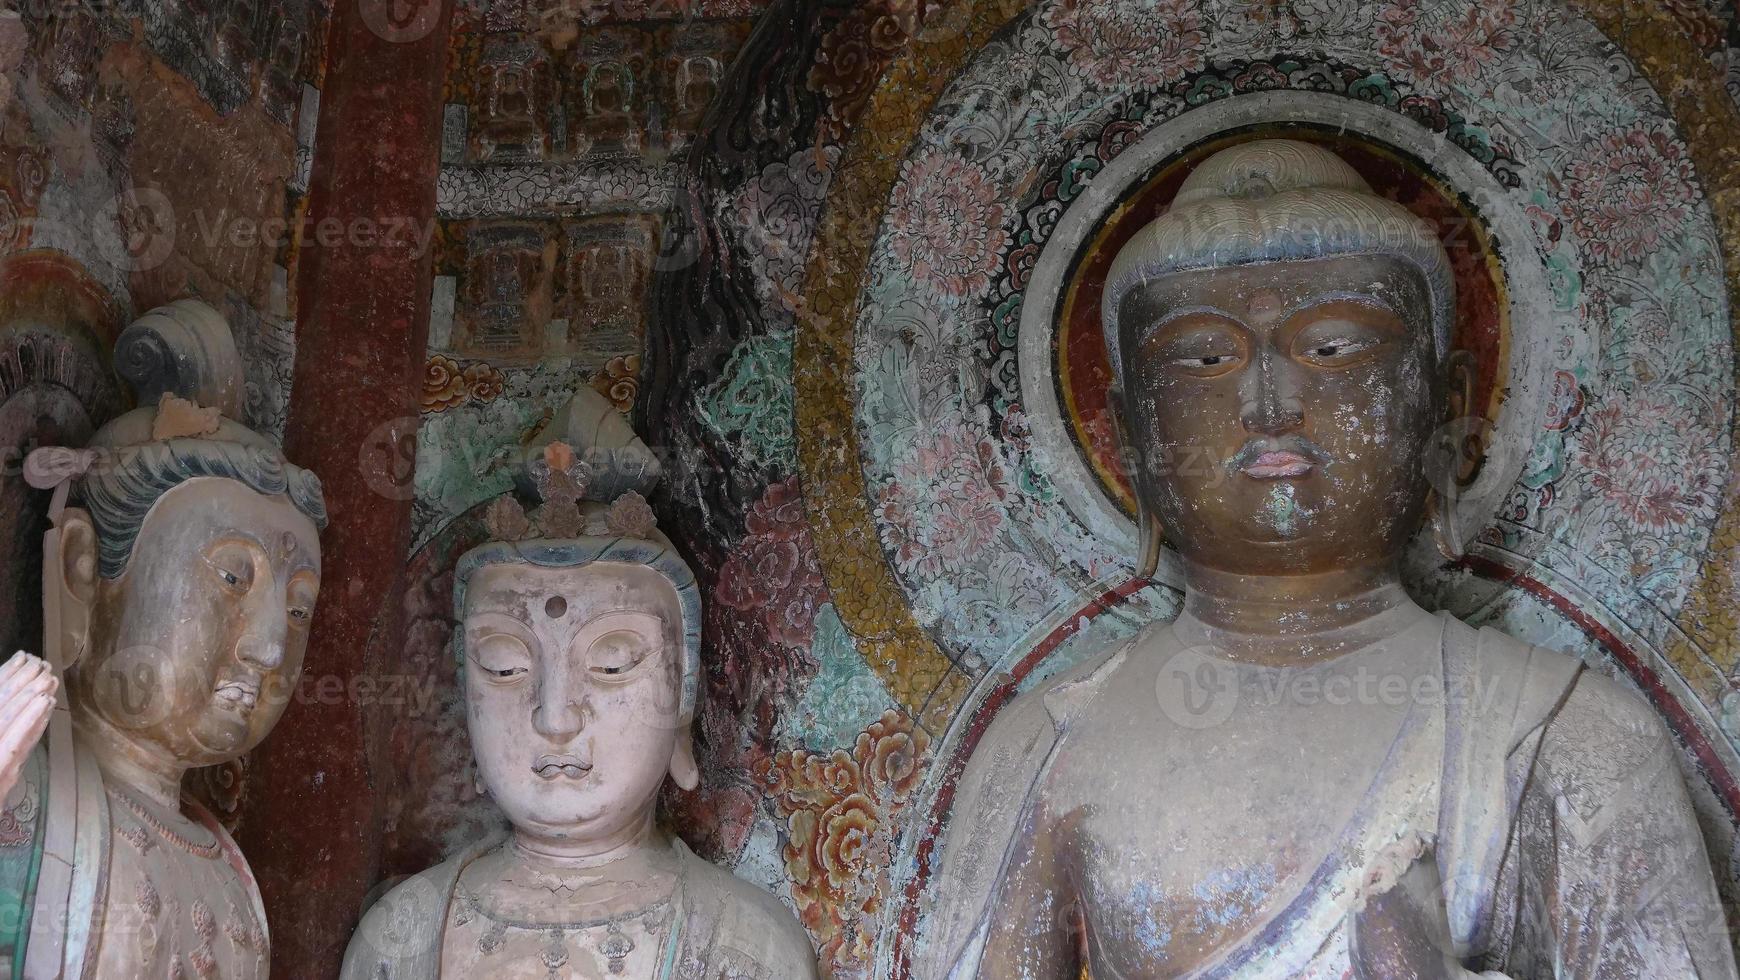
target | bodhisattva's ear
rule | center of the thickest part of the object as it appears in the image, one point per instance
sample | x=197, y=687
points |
x=684, y=772
x=1148, y=530
x=76, y=578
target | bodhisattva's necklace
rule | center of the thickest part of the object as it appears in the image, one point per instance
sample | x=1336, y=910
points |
x=655, y=920
x=168, y=833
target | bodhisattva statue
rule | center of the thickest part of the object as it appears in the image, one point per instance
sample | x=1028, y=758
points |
x=579, y=653
x=178, y=593
x=1307, y=775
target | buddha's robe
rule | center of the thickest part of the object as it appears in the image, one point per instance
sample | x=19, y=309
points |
x=714, y=927
x=1549, y=797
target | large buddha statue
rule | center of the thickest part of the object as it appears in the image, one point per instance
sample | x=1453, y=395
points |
x=579, y=652
x=180, y=577
x=1306, y=775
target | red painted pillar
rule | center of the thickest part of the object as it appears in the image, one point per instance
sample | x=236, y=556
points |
x=310, y=824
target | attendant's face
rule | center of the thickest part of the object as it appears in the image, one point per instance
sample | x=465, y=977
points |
x=198, y=643
x=573, y=693
x=1279, y=413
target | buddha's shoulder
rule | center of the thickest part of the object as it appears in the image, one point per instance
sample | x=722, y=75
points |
x=1039, y=715
x=1604, y=734
x=1593, y=729
x=747, y=920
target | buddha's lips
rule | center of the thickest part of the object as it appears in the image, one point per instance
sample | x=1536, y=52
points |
x=551, y=766
x=1277, y=464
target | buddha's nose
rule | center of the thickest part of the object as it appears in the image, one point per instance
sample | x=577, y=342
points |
x=1270, y=399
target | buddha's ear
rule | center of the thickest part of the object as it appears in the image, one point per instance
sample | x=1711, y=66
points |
x=1459, y=376
x=684, y=772
x=1148, y=531
x=1462, y=456
x=74, y=575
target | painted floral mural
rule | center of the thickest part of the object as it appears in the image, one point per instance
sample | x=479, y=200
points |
x=1440, y=44
x=773, y=573
x=841, y=809
x=944, y=504
x=1630, y=191
x=940, y=198
x=1143, y=43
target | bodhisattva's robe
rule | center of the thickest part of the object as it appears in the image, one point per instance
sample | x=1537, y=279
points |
x=97, y=880
x=1549, y=796
x=714, y=927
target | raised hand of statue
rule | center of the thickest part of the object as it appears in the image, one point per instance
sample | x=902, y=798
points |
x=1403, y=932
x=27, y=690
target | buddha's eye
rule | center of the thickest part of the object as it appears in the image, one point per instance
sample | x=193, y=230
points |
x=618, y=652
x=1336, y=351
x=1200, y=344
x=501, y=656
x=1343, y=333
x=1207, y=361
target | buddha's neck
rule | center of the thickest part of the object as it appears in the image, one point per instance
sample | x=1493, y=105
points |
x=146, y=769
x=1294, y=618
x=568, y=853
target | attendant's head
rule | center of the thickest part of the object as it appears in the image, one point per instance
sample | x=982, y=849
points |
x=187, y=569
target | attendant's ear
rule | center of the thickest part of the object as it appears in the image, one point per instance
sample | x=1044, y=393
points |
x=1148, y=531
x=75, y=576
x=684, y=772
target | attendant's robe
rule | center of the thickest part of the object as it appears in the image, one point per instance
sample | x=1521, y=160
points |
x=98, y=881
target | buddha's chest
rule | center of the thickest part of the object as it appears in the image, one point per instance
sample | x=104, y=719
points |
x=1193, y=842
x=174, y=904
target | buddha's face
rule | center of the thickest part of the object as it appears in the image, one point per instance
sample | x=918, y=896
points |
x=1279, y=412
x=573, y=693
x=197, y=645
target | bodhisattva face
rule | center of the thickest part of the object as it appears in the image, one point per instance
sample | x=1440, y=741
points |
x=197, y=645
x=1279, y=412
x=573, y=694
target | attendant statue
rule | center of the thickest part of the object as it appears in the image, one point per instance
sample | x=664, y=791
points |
x=27, y=688
x=178, y=587
x=1307, y=775
x=579, y=654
